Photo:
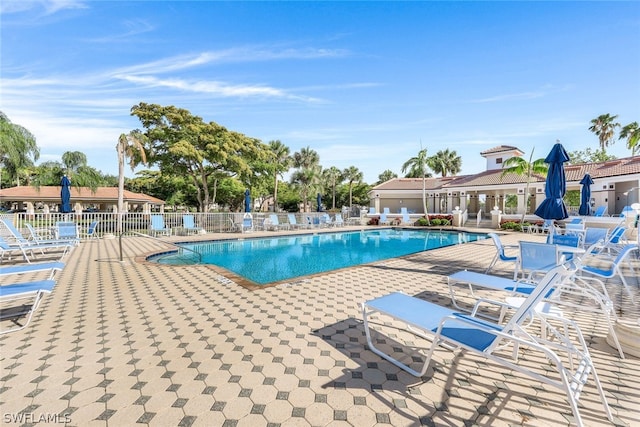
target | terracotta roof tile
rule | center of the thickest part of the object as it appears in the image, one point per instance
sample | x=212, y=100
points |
x=500, y=149
x=617, y=167
x=44, y=193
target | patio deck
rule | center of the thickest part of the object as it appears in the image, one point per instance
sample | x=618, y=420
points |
x=123, y=344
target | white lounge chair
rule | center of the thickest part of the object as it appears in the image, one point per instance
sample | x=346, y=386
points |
x=21, y=299
x=473, y=280
x=570, y=294
x=28, y=248
x=247, y=223
x=338, y=221
x=275, y=224
x=293, y=222
x=446, y=328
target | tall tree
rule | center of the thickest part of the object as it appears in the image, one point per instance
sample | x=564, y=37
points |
x=74, y=164
x=631, y=133
x=73, y=160
x=604, y=126
x=18, y=148
x=519, y=166
x=353, y=176
x=446, y=162
x=307, y=177
x=281, y=161
x=589, y=156
x=130, y=146
x=183, y=144
x=386, y=176
x=418, y=166
x=333, y=176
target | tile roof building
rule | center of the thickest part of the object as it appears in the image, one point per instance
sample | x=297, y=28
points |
x=616, y=185
x=104, y=199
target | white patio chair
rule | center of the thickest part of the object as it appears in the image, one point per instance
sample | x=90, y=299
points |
x=568, y=357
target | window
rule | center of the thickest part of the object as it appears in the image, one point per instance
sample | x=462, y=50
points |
x=499, y=160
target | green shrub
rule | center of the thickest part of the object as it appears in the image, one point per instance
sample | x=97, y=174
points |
x=421, y=222
x=511, y=225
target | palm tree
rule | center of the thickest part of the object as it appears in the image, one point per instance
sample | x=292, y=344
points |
x=281, y=162
x=604, y=126
x=333, y=176
x=386, y=176
x=519, y=166
x=353, y=176
x=418, y=167
x=129, y=146
x=18, y=148
x=307, y=177
x=74, y=165
x=446, y=162
x=631, y=133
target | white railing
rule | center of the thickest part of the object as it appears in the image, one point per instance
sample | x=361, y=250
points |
x=465, y=217
x=218, y=222
x=478, y=219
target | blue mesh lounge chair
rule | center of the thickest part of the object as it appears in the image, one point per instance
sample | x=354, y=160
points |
x=189, y=224
x=27, y=248
x=21, y=299
x=600, y=211
x=448, y=329
x=157, y=226
x=274, y=223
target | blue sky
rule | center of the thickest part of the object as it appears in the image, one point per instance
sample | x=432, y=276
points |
x=362, y=83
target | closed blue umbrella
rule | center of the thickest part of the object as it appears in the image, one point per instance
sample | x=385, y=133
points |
x=319, y=202
x=247, y=200
x=65, y=195
x=585, y=195
x=553, y=207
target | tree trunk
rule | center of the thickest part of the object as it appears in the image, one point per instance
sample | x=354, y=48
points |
x=120, y=150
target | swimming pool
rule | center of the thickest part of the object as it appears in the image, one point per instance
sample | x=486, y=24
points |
x=267, y=260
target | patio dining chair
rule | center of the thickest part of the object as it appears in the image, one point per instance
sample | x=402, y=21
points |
x=500, y=252
x=566, y=354
x=594, y=235
x=612, y=268
x=536, y=259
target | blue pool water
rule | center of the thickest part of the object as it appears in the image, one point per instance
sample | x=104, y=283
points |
x=274, y=259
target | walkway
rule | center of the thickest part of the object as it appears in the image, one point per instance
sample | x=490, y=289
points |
x=123, y=344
